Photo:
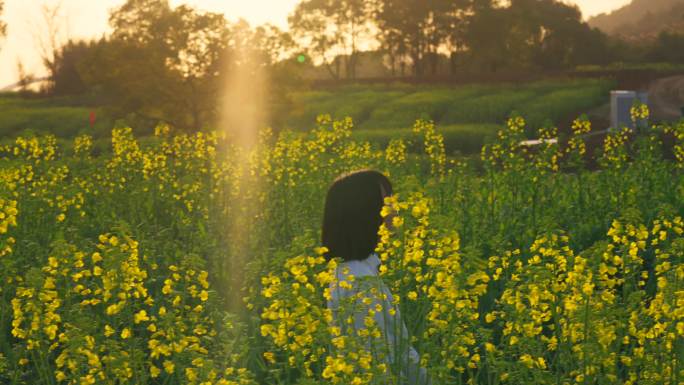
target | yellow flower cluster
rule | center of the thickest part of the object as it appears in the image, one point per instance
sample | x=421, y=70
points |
x=639, y=112
x=433, y=143
x=395, y=153
x=547, y=159
x=83, y=308
x=558, y=305
x=614, y=149
x=507, y=153
x=34, y=149
x=8, y=218
x=677, y=130
x=94, y=313
x=162, y=130
x=576, y=148
x=295, y=317
x=83, y=145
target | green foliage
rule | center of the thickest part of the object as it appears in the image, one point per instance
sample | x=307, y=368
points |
x=527, y=35
x=331, y=31
x=467, y=116
x=62, y=117
x=357, y=104
x=622, y=66
x=489, y=108
x=431, y=105
x=172, y=63
x=669, y=47
x=563, y=104
x=397, y=106
x=164, y=63
x=128, y=259
x=461, y=138
x=407, y=45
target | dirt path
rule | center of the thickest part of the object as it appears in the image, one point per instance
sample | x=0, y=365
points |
x=666, y=98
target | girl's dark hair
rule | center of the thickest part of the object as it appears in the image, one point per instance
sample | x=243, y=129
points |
x=352, y=214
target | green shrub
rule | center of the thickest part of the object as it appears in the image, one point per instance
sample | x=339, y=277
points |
x=399, y=105
x=561, y=104
x=358, y=105
x=403, y=112
x=64, y=122
x=462, y=138
x=490, y=108
x=64, y=117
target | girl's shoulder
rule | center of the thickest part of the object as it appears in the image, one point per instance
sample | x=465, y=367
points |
x=374, y=287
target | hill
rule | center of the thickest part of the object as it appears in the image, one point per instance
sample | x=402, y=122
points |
x=642, y=19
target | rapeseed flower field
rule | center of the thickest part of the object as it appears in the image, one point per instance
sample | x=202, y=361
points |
x=183, y=259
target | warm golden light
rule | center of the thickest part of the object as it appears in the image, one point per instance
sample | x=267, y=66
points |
x=243, y=110
x=243, y=114
x=88, y=19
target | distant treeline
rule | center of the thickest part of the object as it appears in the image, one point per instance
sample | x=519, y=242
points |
x=171, y=63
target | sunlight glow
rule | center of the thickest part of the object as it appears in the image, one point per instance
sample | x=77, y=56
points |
x=243, y=115
x=88, y=19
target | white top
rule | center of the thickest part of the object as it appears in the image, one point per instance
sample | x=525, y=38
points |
x=392, y=326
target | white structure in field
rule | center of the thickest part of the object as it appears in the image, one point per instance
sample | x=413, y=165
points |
x=621, y=103
x=537, y=142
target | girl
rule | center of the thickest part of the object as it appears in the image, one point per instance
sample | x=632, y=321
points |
x=350, y=231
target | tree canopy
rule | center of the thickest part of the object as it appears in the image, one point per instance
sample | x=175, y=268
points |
x=166, y=63
x=332, y=31
x=418, y=34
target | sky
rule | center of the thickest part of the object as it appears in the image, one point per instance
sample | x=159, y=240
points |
x=88, y=18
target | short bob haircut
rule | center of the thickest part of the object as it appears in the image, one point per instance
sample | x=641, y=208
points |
x=351, y=219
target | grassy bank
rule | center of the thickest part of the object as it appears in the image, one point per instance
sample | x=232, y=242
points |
x=467, y=116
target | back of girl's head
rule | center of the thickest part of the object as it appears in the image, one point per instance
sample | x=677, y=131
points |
x=352, y=214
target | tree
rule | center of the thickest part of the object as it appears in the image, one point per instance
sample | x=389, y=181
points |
x=593, y=46
x=50, y=37
x=25, y=78
x=66, y=77
x=162, y=63
x=142, y=22
x=274, y=44
x=549, y=34
x=332, y=31
x=530, y=34
x=198, y=41
x=416, y=30
x=484, y=35
x=669, y=47
x=170, y=64
x=132, y=83
x=392, y=43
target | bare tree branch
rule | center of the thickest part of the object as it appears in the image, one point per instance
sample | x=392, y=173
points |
x=25, y=78
x=3, y=25
x=52, y=35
